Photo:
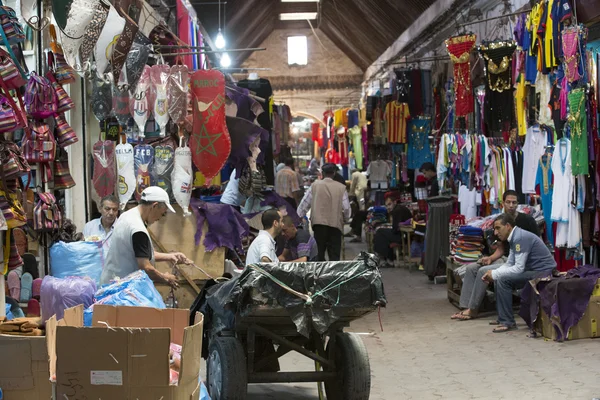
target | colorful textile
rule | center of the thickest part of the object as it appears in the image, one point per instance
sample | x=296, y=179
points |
x=459, y=48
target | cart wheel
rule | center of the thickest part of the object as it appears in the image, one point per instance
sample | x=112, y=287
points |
x=226, y=366
x=353, y=380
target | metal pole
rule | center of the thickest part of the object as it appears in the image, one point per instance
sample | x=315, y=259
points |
x=493, y=18
x=210, y=3
x=210, y=52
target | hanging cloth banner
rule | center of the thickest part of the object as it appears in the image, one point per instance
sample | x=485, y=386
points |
x=459, y=48
x=143, y=156
x=126, y=172
x=104, y=167
x=210, y=142
x=163, y=167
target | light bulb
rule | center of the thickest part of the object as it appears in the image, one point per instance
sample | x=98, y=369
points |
x=220, y=40
x=225, y=60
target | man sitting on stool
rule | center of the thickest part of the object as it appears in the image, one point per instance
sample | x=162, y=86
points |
x=386, y=236
x=473, y=288
x=529, y=258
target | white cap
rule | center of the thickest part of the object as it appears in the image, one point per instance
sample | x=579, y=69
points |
x=156, y=194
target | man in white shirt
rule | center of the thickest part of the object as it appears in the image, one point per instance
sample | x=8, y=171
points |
x=263, y=248
x=101, y=229
x=132, y=247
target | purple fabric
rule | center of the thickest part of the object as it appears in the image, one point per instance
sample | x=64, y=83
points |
x=243, y=101
x=564, y=299
x=226, y=226
x=273, y=200
x=242, y=134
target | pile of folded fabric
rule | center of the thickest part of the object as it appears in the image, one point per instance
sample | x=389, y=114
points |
x=468, y=245
x=376, y=216
x=22, y=327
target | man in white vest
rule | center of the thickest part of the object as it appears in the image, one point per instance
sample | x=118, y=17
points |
x=131, y=248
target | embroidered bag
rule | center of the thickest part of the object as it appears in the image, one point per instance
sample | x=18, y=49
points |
x=65, y=135
x=64, y=102
x=47, y=216
x=39, y=145
x=40, y=97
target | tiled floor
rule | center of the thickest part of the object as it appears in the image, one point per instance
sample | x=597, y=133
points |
x=422, y=354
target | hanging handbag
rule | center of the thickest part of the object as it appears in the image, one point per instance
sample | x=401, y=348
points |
x=9, y=72
x=12, y=31
x=13, y=164
x=47, y=216
x=63, y=72
x=11, y=116
x=40, y=97
x=65, y=135
x=62, y=174
x=64, y=102
x=39, y=145
x=11, y=206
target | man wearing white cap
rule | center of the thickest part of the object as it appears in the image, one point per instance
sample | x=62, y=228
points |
x=131, y=247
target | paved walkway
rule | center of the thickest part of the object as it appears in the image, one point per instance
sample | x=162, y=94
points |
x=422, y=354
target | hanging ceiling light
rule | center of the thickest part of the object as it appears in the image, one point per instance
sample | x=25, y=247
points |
x=220, y=40
x=225, y=60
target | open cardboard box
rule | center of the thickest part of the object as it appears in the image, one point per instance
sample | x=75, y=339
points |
x=125, y=354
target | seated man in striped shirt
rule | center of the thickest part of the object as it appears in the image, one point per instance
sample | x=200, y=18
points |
x=300, y=246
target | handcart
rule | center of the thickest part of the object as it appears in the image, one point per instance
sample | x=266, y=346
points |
x=245, y=341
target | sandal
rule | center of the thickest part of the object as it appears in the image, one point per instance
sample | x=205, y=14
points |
x=493, y=323
x=457, y=315
x=504, y=328
x=464, y=317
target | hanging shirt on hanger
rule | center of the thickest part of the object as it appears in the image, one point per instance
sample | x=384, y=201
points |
x=535, y=145
x=469, y=200
x=396, y=116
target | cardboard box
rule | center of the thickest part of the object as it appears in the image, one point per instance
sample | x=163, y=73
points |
x=125, y=354
x=26, y=376
x=587, y=327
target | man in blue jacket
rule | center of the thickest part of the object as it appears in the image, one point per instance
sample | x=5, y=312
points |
x=529, y=258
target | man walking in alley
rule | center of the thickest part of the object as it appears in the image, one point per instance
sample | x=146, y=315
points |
x=529, y=258
x=330, y=208
x=286, y=183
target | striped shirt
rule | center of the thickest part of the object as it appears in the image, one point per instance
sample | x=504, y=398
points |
x=286, y=182
x=396, y=116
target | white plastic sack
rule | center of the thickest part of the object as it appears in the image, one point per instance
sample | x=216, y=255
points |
x=126, y=173
x=182, y=178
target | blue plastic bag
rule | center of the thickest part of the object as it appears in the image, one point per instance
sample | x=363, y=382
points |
x=84, y=259
x=136, y=290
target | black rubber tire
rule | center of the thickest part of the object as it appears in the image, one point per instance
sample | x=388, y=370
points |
x=234, y=378
x=353, y=380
